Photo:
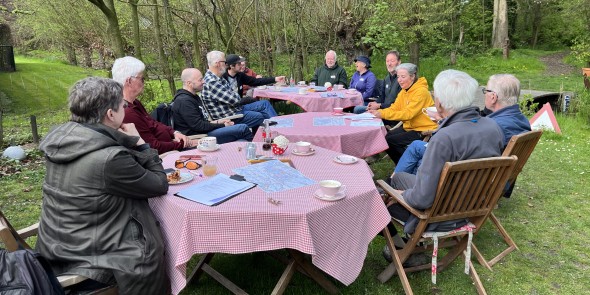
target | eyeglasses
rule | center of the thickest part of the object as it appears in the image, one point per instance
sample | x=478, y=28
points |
x=484, y=90
x=140, y=78
x=223, y=61
x=190, y=165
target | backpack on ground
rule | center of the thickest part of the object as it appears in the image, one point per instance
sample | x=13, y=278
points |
x=163, y=114
x=24, y=272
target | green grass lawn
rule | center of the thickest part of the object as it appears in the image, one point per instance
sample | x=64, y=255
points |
x=547, y=216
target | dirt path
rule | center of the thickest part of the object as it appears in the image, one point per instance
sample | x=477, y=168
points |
x=555, y=64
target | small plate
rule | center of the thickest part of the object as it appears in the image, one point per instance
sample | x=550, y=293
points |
x=345, y=159
x=200, y=148
x=295, y=152
x=337, y=114
x=339, y=196
x=184, y=177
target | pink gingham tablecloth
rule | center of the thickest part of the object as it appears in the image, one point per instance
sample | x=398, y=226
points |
x=335, y=234
x=352, y=140
x=313, y=101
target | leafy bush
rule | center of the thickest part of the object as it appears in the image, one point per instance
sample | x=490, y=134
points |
x=581, y=105
x=527, y=106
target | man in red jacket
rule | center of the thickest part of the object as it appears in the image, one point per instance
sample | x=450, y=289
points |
x=129, y=71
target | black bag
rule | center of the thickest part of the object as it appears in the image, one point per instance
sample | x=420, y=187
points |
x=163, y=114
x=25, y=272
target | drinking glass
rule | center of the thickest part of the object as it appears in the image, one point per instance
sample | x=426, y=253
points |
x=209, y=165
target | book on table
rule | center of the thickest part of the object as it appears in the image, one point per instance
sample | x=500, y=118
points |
x=215, y=190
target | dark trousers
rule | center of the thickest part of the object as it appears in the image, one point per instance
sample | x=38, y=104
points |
x=400, y=181
x=398, y=140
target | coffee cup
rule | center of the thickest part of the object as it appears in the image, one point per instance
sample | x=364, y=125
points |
x=208, y=143
x=330, y=187
x=302, y=91
x=338, y=110
x=303, y=147
x=312, y=84
x=339, y=87
x=430, y=112
x=301, y=83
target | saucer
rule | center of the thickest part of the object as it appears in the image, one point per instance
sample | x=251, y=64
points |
x=345, y=159
x=295, y=152
x=338, y=196
x=337, y=114
x=200, y=148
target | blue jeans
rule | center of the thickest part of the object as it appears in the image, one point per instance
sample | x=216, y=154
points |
x=359, y=109
x=232, y=133
x=256, y=112
x=411, y=159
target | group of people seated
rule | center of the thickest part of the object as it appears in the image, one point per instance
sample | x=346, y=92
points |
x=103, y=165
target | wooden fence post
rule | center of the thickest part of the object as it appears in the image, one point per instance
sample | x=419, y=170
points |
x=506, y=49
x=34, y=129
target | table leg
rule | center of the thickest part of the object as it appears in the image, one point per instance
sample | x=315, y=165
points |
x=285, y=278
x=203, y=266
x=313, y=271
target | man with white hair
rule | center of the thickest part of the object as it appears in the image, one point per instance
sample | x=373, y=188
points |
x=330, y=72
x=129, y=72
x=463, y=134
x=222, y=101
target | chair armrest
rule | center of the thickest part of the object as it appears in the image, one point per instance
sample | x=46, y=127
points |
x=398, y=125
x=29, y=231
x=398, y=198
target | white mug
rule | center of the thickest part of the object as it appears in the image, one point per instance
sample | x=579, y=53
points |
x=430, y=112
x=208, y=143
x=338, y=110
x=301, y=83
x=302, y=91
x=330, y=187
x=303, y=146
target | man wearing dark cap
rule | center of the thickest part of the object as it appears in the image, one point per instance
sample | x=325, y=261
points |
x=330, y=72
x=237, y=78
x=363, y=79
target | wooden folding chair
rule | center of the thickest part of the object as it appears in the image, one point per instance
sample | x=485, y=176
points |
x=15, y=240
x=522, y=146
x=466, y=190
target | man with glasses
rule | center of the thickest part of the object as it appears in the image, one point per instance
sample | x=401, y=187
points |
x=129, y=72
x=191, y=119
x=222, y=101
x=501, y=99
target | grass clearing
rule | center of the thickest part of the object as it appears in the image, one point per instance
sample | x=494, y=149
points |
x=547, y=215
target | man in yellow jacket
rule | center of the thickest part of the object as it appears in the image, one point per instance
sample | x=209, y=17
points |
x=407, y=108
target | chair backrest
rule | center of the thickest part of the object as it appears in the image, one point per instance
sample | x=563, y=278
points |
x=470, y=189
x=8, y=235
x=522, y=146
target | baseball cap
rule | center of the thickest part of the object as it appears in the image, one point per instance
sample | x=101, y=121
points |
x=233, y=59
x=363, y=59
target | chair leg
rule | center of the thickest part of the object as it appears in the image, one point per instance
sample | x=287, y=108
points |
x=396, y=265
x=507, y=239
x=475, y=277
x=480, y=257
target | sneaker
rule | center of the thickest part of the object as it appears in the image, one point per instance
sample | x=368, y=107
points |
x=387, y=254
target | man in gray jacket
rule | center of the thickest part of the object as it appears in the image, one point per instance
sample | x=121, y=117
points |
x=95, y=218
x=330, y=72
x=463, y=134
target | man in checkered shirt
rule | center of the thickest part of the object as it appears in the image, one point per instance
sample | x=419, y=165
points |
x=222, y=101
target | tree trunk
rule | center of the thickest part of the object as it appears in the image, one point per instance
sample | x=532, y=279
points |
x=500, y=24
x=161, y=55
x=108, y=9
x=414, y=50
x=176, y=50
x=537, y=18
x=87, y=57
x=71, y=55
x=135, y=29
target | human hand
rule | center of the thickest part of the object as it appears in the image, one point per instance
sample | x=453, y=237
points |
x=228, y=123
x=375, y=113
x=280, y=79
x=179, y=136
x=258, y=76
x=373, y=106
x=129, y=129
